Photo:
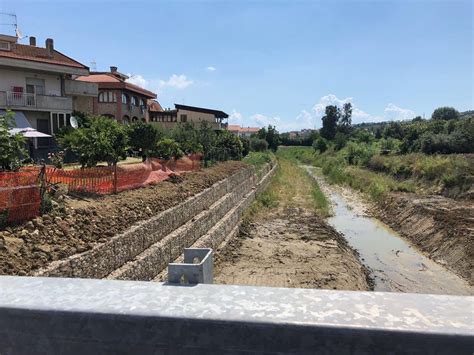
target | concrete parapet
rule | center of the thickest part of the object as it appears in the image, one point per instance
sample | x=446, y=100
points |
x=81, y=316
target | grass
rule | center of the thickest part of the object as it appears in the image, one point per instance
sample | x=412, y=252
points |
x=337, y=171
x=291, y=187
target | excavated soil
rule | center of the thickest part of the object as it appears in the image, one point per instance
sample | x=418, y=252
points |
x=291, y=247
x=441, y=227
x=77, y=224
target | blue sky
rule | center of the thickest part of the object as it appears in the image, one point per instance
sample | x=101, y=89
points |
x=273, y=62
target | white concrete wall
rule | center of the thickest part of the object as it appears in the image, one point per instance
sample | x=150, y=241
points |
x=10, y=78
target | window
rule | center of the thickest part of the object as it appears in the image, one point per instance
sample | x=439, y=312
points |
x=42, y=125
x=35, y=86
x=125, y=99
x=134, y=101
x=142, y=103
x=107, y=96
x=59, y=120
x=183, y=118
x=4, y=46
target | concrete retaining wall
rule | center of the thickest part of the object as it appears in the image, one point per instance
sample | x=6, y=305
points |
x=142, y=251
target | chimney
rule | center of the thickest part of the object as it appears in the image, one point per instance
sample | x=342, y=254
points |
x=33, y=41
x=113, y=69
x=49, y=47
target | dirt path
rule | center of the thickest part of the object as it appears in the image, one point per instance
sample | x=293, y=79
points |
x=289, y=244
x=291, y=248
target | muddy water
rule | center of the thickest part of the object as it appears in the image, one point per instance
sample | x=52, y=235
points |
x=395, y=264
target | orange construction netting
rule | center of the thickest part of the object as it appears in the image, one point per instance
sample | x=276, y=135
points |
x=20, y=191
x=20, y=194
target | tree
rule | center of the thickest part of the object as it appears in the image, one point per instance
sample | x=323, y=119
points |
x=188, y=138
x=228, y=146
x=271, y=135
x=445, y=113
x=320, y=145
x=330, y=120
x=345, y=121
x=207, y=138
x=103, y=139
x=142, y=137
x=167, y=149
x=12, y=146
x=393, y=130
x=258, y=145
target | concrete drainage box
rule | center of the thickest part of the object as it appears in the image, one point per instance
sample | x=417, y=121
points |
x=197, y=267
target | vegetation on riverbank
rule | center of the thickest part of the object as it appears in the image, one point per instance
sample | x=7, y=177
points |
x=291, y=187
x=378, y=174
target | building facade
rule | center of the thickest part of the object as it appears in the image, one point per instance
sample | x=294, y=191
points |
x=168, y=119
x=117, y=98
x=37, y=84
x=244, y=132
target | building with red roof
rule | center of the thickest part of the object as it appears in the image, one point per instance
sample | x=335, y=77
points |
x=117, y=98
x=37, y=84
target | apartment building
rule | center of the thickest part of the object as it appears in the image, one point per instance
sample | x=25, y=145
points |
x=37, y=84
x=168, y=119
x=117, y=98
x=244, y=132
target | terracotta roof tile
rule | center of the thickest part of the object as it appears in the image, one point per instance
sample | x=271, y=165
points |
x=38, y=54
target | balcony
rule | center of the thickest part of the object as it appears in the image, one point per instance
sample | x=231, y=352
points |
x=25, y=101
x=81, y=88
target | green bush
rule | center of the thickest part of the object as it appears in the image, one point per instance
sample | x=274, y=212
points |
x=142, y=137
x=258, y=145
x=320, y=145
x=103, y=139
x=167, y=149
x=12, y=147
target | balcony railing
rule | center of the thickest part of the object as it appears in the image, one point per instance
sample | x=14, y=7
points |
x=21, y=99
x=26, y=101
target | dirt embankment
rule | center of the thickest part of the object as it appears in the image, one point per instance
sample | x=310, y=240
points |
x=441, y=227
x=77, y=225
x=291, y=247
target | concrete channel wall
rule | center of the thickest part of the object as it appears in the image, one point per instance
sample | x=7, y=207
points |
x=145, y=249
x=81, y=316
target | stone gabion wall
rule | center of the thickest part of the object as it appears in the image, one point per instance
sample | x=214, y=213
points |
x=142, y=251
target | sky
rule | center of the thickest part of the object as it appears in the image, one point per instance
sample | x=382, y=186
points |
x=272, y=62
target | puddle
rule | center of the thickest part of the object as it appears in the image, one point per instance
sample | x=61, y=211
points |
x=395, y=265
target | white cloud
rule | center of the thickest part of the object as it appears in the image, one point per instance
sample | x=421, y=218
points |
x=235, y=117
x=263, y=120
x=156, y=85
x=138, y=80
x=394, y=113
x=176, y=81
x=313, y=118
x=211, y=68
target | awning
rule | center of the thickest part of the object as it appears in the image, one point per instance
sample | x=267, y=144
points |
x=20, y=120
x=23, y=126
x=29, y=132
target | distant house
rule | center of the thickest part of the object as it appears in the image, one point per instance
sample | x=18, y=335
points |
x=244, y=132
x=36, y=83
x=195, y=115
x=117, y=98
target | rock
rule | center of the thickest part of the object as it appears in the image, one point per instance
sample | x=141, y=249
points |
x=44, y=248
x=57, y=219
x=54, y=204
x=35, y=233
x=13, y=244
x=24, y=233
x=29, y=225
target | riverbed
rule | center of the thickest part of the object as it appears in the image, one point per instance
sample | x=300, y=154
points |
x=395, y=265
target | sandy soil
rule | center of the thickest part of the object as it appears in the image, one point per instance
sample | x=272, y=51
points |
x=291, y=248
x=441, y=227
x=77, y=225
